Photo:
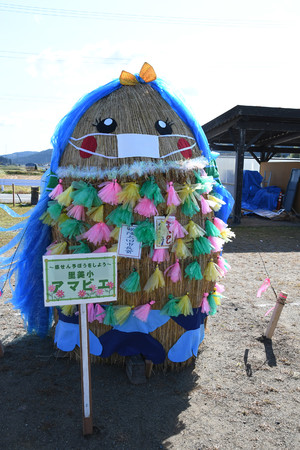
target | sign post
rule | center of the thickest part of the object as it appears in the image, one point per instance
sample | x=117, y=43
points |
x=80, y=279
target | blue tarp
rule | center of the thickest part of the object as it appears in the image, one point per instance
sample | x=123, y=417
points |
x=256, y=197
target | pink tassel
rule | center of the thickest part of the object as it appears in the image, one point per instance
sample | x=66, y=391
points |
x=219, y=288
x=48, y=252
x=221, y=265
x=76, y=211
x=205, y=308
x=102, y=249
x=142, y=312
x=57, y=190
x=146, y=207
x=216, y=242
x=263, y=287
x=99, y=313
x=173, y=198
x=91, y=312
x=160, y=255
x=98, y=233
x=174, y=272
x=204, y=205
x=219, y=224
x=203, y=173
x=177, y=229
x=109, y=192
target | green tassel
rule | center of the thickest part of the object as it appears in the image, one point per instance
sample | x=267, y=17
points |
x=132, y=283
x=85, y=195
x=54, y=209
x=145, y=233
x=110, y=318
x=151, y=190
x=193, y=271
x=211, y=229
x=72, y=228
x=201, y=246
x=122, y=215
x=212, y=171
x=81, y=248
x=189, y=208
x=46, y=219
x=171, y=308
x=204, y=181
x=53, y=181
x=212, y=305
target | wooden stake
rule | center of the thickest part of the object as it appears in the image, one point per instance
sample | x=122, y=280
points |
x=13, y=193
x=281, y=300
x=85, y=363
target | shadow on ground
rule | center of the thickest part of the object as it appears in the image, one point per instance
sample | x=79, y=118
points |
x=41, y=402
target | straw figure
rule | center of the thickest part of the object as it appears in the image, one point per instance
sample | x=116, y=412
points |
x=131, y=153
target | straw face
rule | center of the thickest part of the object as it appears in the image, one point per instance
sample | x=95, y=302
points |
x=130, y=110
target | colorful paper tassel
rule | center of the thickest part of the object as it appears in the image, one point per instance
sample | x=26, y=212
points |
x=180, y=249
x=193, y=271
x=177, y=229
x=109, y=192
x=65, y=198
x=96, y=213
x=130, y=194
x=194, y=230
x=205, y=308
x=185, y=306
x=85, y=195
x=110, y=318
x=132, y=283
x=174, y=272
x=146, y=208
x=212, y=271
x=97, y=233
x=142, y=312
x=152, y=191
x=122, y=215
x=57, y=190
x=76, y=212
x=155, y=281
x=99, y=313
x=173, y=199
x=122, y=313
x=145, y=233
x=171, y=308
x=160, y=255
x=72, y=228
x=57, y=248
x=54, y=209
x=211, y=229
x=217, y=243
x=202, y=246
x=81, y=248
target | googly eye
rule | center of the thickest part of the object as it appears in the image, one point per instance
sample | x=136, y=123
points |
x=163, y=127
x=107, y=125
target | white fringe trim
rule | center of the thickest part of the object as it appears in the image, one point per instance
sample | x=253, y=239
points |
x=135, y=170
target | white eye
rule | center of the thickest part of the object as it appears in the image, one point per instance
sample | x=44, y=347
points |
x=162, y=124
x=108, y=121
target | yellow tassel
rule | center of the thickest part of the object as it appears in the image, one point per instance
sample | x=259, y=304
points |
x=211, y=272
x=96, y=213
x=68, y=310
x=130, y=194
x=171, y=210
x=155, y=281
x=217, y=297
x=194, y=230
x=115, y=233
x=64, y=198
x=187, y=191
x=62, y=218
x=122, y=313
x=180, y=249
x=113, y=248
x=59, y=249
x=185, y=305
x=227, y=235
x=214, y=202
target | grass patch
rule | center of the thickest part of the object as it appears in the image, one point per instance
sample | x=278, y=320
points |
x=7, y=221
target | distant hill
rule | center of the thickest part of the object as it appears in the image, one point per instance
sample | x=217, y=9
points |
x=43, y=157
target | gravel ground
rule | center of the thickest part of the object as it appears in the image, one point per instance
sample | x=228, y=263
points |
x=243, y=392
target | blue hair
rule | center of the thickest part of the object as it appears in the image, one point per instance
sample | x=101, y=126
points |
x=28, y=295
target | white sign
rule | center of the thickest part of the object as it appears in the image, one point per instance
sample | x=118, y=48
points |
x=80, y=278
x=128, y=245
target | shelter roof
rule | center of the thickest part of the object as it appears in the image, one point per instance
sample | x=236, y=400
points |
x=267, y=130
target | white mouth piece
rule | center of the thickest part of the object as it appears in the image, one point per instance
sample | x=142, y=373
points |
x=134, y=145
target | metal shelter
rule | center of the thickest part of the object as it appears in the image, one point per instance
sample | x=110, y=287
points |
x=261, y=131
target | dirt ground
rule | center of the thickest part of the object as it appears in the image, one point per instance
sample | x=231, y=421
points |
x=241, y=393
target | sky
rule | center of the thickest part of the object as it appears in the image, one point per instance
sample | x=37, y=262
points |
x=215, y=53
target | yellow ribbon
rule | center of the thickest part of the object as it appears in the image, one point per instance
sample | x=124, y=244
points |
x=147, y=74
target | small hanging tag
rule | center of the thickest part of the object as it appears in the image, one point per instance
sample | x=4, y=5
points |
x=128, y=245
x=164, y=235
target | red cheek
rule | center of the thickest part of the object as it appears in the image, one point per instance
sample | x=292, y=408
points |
x=90, y=144
x=183, y=143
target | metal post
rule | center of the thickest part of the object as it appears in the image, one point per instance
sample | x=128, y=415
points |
x=239, y=167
